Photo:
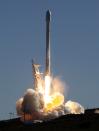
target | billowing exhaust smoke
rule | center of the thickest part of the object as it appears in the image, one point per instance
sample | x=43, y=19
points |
x=33, y=106
x=72, y=107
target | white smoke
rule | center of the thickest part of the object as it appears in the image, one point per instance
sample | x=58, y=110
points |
x=58, y=85
x=32, y=101
x=31, y=105
x=72, y=107
x=96, y=111
x=19, y=106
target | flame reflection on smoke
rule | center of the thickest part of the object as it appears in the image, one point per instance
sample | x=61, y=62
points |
x=47, y=103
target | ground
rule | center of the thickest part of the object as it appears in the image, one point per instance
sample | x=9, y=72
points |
x=82, y=122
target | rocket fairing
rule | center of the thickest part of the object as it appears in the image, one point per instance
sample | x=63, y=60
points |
x=48, y=63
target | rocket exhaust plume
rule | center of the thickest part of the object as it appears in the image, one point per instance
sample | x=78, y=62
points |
x=48, y=63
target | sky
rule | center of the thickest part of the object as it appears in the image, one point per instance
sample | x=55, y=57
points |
x=74, y=48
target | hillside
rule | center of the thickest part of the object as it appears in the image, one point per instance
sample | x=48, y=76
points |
x=84, y=122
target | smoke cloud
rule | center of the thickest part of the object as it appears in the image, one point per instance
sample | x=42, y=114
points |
x=32, y=107
x=19, y=106
x=73, y=107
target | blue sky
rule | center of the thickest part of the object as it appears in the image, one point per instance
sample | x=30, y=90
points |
x=74, y=48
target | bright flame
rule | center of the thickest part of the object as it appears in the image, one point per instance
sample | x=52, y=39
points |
x=51, y=101
x=47, y=89
x=55, y=101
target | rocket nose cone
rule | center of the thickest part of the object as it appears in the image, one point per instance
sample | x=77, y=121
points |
x=48, y=12
x=48, y=15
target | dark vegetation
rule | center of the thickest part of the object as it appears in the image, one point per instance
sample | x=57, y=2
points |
x=82, y=122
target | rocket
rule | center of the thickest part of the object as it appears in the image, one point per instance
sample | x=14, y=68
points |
x=48, y=62
x=35, y=67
